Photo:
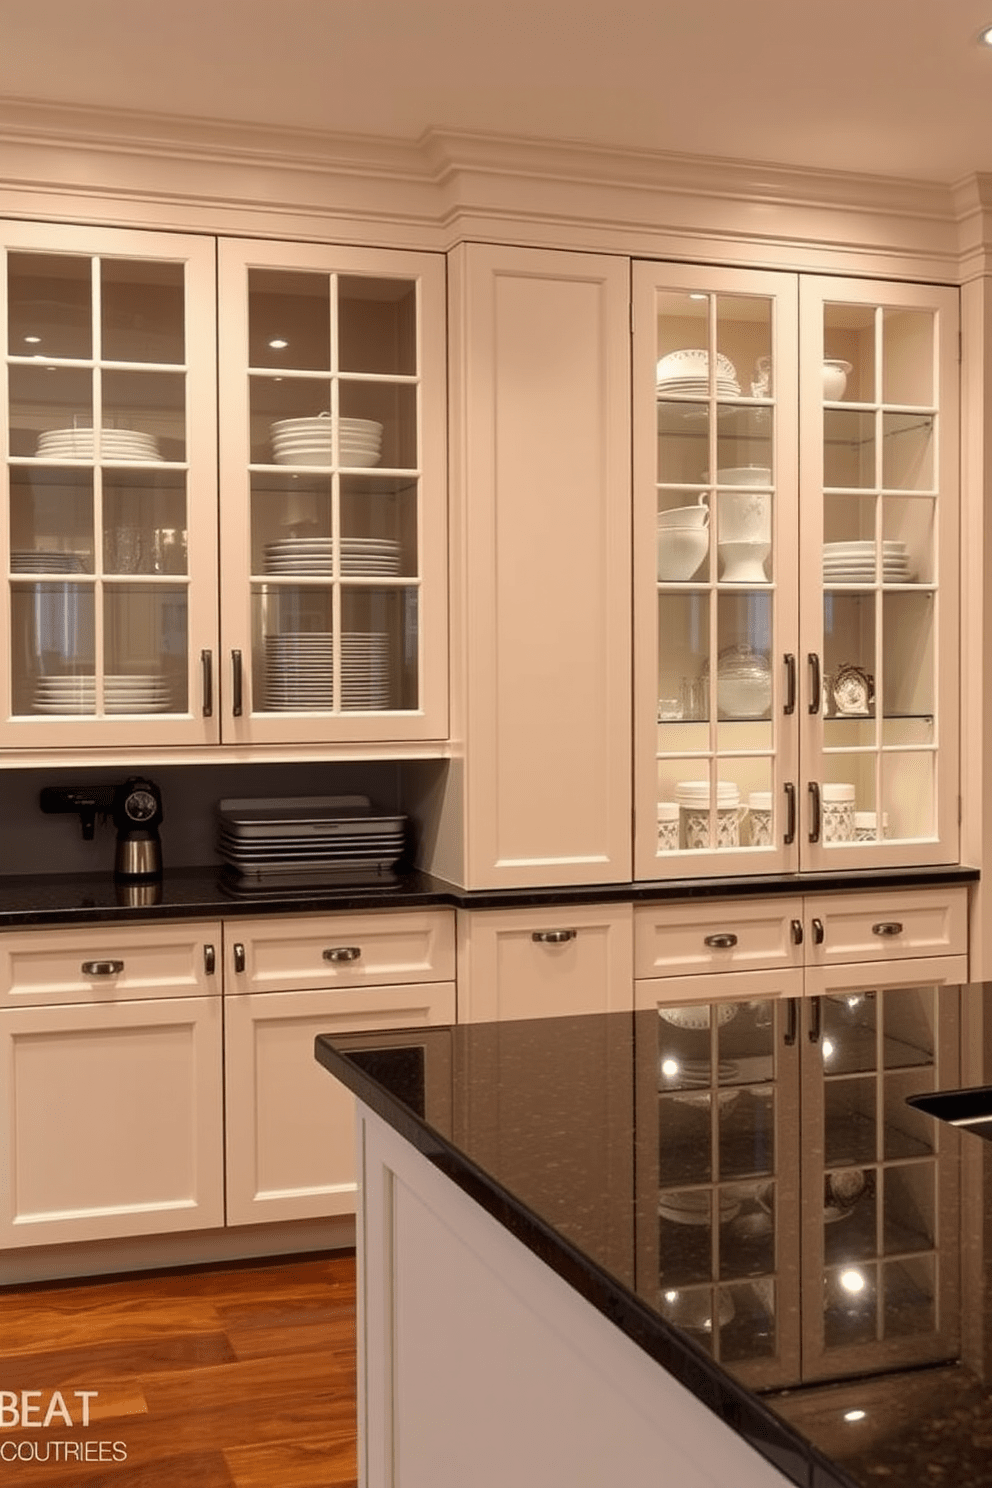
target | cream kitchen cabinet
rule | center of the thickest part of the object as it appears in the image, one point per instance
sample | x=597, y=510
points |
x=539, y=789
x=540, y=963
x=290, y=1140
x=322, y=614
x=796, y=557
x=800, y=945
x=112, y=1116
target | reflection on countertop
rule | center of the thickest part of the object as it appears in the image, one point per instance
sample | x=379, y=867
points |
x=748, y=1194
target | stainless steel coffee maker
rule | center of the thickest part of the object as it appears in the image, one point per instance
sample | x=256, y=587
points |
x=137, y=816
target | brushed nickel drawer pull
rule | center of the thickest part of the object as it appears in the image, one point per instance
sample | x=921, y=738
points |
x=239, y=956
x=342, y=953
x=887, y=927
x=819, y=934
x=553, y=937
x=797, y=932
x=102, y=968
x=722, y=942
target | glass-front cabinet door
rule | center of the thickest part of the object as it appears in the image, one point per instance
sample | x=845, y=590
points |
x=715, y=478
x=333, y=552
x=879, y=555
x=109, y=522
x=795, y=480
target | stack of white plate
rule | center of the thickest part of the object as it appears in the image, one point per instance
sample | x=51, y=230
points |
x=36, y=560
x=299, y=835
x=360, y=556
x=365, y=670
x=309, y=441
x=80, y=444
x=854, y=563
x=131, y=693
x=299, y=671
x=685, y=374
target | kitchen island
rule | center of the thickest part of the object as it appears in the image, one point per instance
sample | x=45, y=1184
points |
x=707, y=1243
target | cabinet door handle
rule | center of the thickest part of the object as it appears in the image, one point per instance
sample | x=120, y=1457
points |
x=102, y=968
x=815, y=682
x=207, y=673
x=791, y=1021
x=818, y=932
x=239, y=956
x=790, y=683
x=553, y=937
x=815, y=815
x=724, y=941
x=342, y=953
x=237, y=684
x=797, y=932
x=887, y=927
x=209, y=960
x=790, y=814
x=814, y=1020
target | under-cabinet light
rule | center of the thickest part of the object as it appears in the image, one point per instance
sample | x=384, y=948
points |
x=278, y=345
x=854, y=1415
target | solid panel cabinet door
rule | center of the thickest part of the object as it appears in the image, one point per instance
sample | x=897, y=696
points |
x=542, y=963
x=541, y=518
x=112, y=1120
x=108, y=533
x=290, y=1130
x=333, y=522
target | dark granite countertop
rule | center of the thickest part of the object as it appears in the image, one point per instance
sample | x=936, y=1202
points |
x=40, y=900
x=760, y=1169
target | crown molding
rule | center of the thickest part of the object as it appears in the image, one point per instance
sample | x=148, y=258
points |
x=92, y=164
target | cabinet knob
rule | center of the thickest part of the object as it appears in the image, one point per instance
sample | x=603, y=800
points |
x=102, y=968
x=239, y=956
x=553, y=937
x=887, y=927
x=342, y=953
x=722, y=942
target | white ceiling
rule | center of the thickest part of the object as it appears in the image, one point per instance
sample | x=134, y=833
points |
x=890, y=87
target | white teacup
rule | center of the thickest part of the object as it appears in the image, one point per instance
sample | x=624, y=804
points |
x=685, y=516
x=680, y=552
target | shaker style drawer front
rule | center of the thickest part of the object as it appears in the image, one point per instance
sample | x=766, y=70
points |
x=884, y=926
x=339, y=951
x=113, y=963
x=691, y=939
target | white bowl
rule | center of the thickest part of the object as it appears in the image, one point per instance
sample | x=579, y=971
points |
x=684, y=516
x=743, y=562
x=745, y=475
x=680, y=552
x=694, y=362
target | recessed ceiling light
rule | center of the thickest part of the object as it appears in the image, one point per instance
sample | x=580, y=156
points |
x=985, y=37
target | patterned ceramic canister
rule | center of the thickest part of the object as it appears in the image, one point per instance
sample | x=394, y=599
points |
x=838, y=813
x=728, y=826
x=668, y=826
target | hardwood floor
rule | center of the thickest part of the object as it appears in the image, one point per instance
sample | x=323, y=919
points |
x=235, y=1378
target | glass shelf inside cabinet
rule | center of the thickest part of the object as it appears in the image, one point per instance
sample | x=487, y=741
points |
x=98, y=499
x=879, y=572
x=334, y=493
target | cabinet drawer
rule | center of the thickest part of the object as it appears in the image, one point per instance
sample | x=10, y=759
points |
x=884, y=926
x=280, y=955
x=732, y=935
x=109, y=964
x=544, y=963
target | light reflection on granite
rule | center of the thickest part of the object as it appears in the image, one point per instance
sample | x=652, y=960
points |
x=572, y=1133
